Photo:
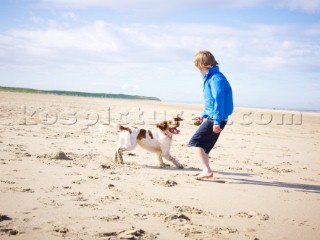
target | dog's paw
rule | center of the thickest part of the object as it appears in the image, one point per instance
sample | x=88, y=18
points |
x=179, y=165
x=163, y=165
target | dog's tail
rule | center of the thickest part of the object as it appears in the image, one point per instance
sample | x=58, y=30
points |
x=116, y=125
x=121, y=128
x=104, y=128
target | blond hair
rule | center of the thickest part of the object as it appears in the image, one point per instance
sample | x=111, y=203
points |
x=204, y=59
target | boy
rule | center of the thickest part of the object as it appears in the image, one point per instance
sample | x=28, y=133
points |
x=218, y=106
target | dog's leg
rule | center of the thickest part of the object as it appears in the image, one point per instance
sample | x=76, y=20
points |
x=173, y=160
x=160, y=161
x=118, y=156
x=123, y=141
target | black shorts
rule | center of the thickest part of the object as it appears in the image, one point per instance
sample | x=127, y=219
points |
x=204, y=137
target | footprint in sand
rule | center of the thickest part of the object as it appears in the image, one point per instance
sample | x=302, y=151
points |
x=93, y=177
x=92, y=206
x=7, y=182
x=49, y=202
x=80, y=199
x=224, y=230
x=279, y=170
x=27, y=190
x=26, y=154
x=4, y=217
x=128, y=234
x=160, y=200
x=107, y=199
x=135, y=234
x=262, y=217
x=8, y=231
x=111, y=218
x=61, y=230
x=104, y=166
x=165, y=182
x=107, y=234
x=18, y=189
x=188, y=209
x=177, y=219
x=141, y=215
x=79, y=181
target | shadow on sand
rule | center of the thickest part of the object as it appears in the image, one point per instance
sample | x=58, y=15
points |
x=233, y=180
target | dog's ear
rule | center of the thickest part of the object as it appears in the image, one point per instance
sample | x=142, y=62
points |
x=163, y=125
x=177, y=119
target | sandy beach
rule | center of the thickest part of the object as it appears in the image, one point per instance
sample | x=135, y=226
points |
x=266, y=182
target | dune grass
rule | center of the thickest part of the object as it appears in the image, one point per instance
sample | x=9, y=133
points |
x=81, y=94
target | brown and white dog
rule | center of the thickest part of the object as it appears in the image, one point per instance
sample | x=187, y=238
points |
x=156, y=140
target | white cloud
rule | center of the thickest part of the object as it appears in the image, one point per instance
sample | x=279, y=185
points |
x=97, y=38
x=272, y=46
x=116, y=86
x=104, y=57
x=63, y=51
x=312, y=31
x=70, y=15
x=314, y=87
x=36, y=19
x=311, y=6
x=129, y=88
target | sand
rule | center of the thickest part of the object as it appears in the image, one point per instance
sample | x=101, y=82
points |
x=58, y=179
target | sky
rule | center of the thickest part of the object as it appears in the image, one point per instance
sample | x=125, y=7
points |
x=269, y=50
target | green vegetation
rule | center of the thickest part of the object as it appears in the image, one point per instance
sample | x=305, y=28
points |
x=81, y=94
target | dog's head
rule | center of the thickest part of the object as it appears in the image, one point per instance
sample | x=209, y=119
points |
x=170, y=127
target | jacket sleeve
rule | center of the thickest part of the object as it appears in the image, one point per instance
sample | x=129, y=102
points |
x=217, y=90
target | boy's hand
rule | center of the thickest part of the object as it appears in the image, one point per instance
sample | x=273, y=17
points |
x=216, y=129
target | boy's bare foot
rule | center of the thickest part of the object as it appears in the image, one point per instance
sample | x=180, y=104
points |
x=204, y=175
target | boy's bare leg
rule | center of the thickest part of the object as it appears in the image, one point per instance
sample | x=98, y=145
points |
x=204, y=159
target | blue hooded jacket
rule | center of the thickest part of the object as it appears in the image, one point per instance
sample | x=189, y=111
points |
x=217, y=94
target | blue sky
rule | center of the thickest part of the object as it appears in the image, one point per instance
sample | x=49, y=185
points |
x=269, y=50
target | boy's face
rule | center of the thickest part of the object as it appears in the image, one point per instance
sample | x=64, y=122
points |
x=203, y=71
